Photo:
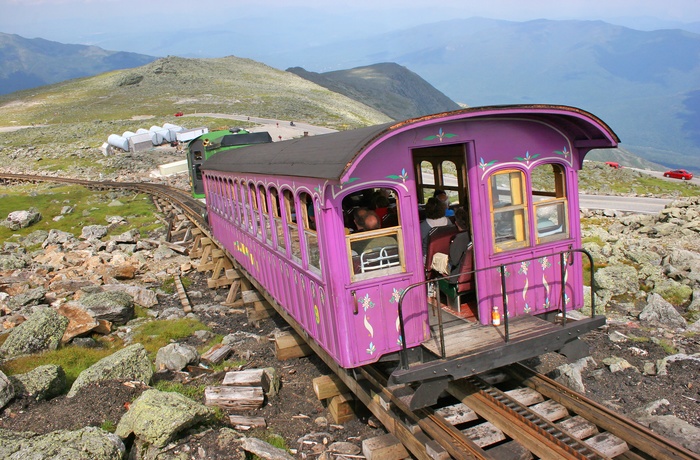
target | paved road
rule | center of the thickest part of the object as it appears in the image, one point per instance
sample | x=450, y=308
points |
x=279, y=129
x=636, y=204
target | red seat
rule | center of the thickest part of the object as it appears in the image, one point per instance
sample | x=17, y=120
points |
x=456, y=285
x=438, y=241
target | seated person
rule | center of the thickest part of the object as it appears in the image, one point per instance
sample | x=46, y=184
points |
x=381, y=206
x=370, y=221
x=434, y=217
x=461, y=241
x=442, y=196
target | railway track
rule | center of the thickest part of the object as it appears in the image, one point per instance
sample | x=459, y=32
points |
x=512, y=412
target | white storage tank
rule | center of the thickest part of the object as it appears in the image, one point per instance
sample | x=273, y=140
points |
x=120, y=142
x=158, y=135
x=141, y=131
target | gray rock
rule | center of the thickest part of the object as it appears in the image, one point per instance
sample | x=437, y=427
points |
x=7, y=390
x=13, y=261
x=130, y=363
x=43, y=382
x=618, y=279
x=163, y=253
x=21, y=219
x=662, y=365
x=87, y=443
x=37, y=237
x=94, y=232
x=176, y=356
x=42, y=331
x=114, y=306
x=668, y=426
x=570, y=374
x=58, y=237
x=157, y=417
x=140, y=295
x=660, y=313
x=130, y=236
x=31, y=297
x=264, y=450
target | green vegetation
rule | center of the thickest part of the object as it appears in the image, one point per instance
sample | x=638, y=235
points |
x=108, y=426
x=600, y=178
x=168, y=285
x=73, y=360
x=667, y=347
x=194, y=392
x=88, y=208
x=158, y=333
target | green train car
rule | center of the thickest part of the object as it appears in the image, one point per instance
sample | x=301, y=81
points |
x=209, y=144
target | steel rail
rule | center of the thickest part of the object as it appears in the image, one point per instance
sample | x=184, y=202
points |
x=626, y=429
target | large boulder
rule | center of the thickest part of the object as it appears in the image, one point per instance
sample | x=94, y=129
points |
x=42, y=331
x=21, y=219
x=659, y=313
x=176, y=356
x=94, y=232
x=58, y=237
x=7, y=390
x=43, y=382
x=29, y=298
x=130, y=363
x=117, y=307
x=141, y=295
x=156, y=417
x=618, y=279
x=86, y=443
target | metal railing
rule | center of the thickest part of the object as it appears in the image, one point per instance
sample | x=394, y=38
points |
x=565, y=258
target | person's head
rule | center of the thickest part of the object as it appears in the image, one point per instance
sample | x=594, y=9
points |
x=381, y=201
x=440, y=195
x=358, y=217
x=371, y=221
x=434, y=208
x=461, y=219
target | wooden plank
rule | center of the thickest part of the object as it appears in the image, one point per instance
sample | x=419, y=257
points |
x=550, y=410
x=217, y=353
x=248, y=378
x=525, y=396
x=234, y=398
x=341, y=407
x=386, y=447
x=484, y=434
x=289, y=345
x=578, y=427
x=233, y=292
x=328, y=386
x=242, y=423
x=608, y=444
x=457, y=413
x=182, y=295
x=511, y=450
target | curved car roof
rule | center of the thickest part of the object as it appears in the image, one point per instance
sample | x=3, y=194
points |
x=330, y=156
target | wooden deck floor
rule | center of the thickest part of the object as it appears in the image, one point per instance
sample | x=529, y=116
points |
x=468, y=336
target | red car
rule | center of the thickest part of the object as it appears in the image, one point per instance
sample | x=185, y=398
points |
x=179, y=114
x=613, y=164
x=679, y=174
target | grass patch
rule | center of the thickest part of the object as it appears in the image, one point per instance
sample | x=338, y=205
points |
x=168, y=284
x=89, y=207
x=108, y=426
x=194, y=392
x=73, y=360
x=667, y=347
x=158, y=333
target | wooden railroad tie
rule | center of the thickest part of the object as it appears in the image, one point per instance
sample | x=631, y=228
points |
x=182, y=294
x=340, y=401
x=386, y=447
x=196, y=250
x=289, y=345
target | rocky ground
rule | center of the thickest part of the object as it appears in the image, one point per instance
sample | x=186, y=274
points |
x=626, y=372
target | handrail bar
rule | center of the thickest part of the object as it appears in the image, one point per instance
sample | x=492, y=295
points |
x=566, y=259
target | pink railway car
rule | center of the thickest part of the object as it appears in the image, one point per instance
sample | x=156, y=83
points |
x=284, y=211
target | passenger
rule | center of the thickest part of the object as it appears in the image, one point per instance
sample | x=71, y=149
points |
x=434, y=217
x=442, y=196
x=370, y=221
x=461, y=241
x=381, y=206
x=358, y=218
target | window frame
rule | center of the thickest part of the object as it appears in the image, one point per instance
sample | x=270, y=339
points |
x=519, y=205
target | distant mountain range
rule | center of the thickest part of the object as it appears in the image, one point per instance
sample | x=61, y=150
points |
x=388, y=87
x=28, y=63
x=644, y=84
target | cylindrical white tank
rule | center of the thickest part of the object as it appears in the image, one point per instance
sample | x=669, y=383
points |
x=158, y=135
x=141, y=131
x=121, y=142
x=128, y=134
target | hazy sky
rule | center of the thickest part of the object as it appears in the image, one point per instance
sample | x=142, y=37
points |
x=260, y=28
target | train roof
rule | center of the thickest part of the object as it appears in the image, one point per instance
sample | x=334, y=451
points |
x=331, y=156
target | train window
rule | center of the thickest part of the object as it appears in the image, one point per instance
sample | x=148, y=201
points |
x=306, y=219
x=449, y=182
x=292, y=229
x=509, y=210
x=243, y=204
x=198, y=155
x=374, y=239
x=427, y=183
x=230, y=199
x=254, y=224
x=277, y=219
x=264, y=215
x=550, y=202
x=236, y=204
